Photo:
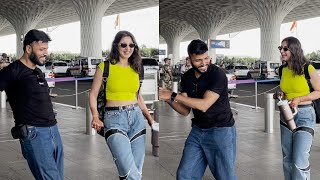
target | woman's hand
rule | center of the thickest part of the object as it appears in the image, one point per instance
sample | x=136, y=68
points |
x=279, y=95
x=295, y=102
x=97, y=124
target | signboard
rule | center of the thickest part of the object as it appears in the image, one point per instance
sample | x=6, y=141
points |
x=162, y=52
x=219, y=43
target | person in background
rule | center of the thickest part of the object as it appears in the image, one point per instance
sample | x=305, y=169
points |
x=212, y=140
x=167, y=70
x=186, y=66
x=296, y=144
x=124, y=124
x=35, y=122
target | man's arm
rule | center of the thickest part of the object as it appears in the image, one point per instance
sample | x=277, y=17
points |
x=5, y=78
x=183, y=104
x=202, y=104
x=179, y=107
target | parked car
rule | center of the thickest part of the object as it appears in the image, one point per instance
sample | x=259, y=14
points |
x=240, y=71
x=150, y=65
x=230, y=77
x=48, y=74
x=57, y=67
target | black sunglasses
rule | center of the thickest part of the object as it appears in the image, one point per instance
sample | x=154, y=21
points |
x=40, y=76
x=123, y=45
x=284, y=48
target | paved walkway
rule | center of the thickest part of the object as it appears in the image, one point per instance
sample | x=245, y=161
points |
x=88, y=158
x=258, y=153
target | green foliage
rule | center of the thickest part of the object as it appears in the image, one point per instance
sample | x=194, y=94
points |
x=242, y=60
x=148, y=52
x=62, y=56
x=314, y=55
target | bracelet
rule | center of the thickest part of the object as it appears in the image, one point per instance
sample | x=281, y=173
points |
x=173, y=97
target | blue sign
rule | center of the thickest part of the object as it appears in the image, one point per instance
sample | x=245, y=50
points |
x=219, y=43
x=162, y=52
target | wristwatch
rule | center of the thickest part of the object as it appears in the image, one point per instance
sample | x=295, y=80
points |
x=173, y=97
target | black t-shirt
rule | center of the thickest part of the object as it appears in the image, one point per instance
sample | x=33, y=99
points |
x=28, y=95
x=215, y=80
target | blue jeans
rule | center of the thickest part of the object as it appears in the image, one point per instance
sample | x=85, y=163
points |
x=43, y=150
x=215, y=147
x=125, y=136
x=296, y=144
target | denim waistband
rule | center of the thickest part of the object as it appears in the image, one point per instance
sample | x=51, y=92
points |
x=304, y=105
x=130, y=106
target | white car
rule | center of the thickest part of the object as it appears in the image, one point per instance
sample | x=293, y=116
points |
x=240, y=71
x=57, y=67
x=48, y=74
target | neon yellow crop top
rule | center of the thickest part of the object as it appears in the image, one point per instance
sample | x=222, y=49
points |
x=122, y=84
x=294, y=86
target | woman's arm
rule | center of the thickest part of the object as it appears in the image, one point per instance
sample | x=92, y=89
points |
x=144, y=109
x=95, y=87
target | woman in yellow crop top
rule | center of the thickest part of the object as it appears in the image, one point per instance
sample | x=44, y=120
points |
x=124, y=123
x=296, y=143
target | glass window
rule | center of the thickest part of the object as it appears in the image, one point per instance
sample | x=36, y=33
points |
x=96, y=61
x=60, y=64
x=274, y=65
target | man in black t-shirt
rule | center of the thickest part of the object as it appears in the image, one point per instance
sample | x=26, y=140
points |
x=35, y=123
x=212, y=140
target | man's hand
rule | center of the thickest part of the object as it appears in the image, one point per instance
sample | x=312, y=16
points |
x=97, y=124
x=164, y=94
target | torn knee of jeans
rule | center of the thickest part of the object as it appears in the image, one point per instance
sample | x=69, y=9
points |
x=125, y=176
x=303, y=168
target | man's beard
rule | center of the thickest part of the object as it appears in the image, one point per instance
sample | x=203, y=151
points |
x=33, y=58
x=196, y=69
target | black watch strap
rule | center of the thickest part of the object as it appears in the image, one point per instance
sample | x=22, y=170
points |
x=173, y=97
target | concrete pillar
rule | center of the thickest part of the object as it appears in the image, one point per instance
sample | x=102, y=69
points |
x=3, y=23
x=91, y=13
x=209, y=21
x=27, y=16
x=173, y=46
x=270, y=17
x=173, y=31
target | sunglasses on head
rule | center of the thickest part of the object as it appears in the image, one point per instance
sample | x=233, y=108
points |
x=284, y=48
x=123, y=45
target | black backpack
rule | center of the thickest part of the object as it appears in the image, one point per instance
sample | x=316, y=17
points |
x=316, y=103
x=101, y=99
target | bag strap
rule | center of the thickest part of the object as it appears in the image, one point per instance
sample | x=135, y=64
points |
x=307, y=76
x=105, y=73
x=141, y=78
x=280, y=71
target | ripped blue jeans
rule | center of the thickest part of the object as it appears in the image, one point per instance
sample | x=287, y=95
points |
x=296, y=144
x=125, y=135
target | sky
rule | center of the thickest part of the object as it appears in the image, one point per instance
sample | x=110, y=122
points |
x=143, y=24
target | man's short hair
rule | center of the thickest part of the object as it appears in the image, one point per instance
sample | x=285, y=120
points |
x=166, y=59
x=197, y=47
x=35, y=35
